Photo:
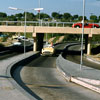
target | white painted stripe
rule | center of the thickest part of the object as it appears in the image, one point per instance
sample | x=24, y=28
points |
x=86, y=85
x=91, y=81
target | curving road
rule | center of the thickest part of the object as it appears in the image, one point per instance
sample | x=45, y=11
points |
x=13, y=52
x=8, y=55
x=75, y=57
x=42, y=80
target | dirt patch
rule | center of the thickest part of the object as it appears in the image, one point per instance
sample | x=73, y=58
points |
x=95, y=57
x=60, y=39
x=51, y=39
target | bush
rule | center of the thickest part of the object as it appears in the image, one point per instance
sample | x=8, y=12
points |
x=95, y=49
x=1, y=47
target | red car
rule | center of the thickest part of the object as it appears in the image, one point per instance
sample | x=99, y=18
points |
x=86, y=25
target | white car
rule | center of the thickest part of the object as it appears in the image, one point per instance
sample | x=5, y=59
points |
x=17, y=43
x=48, y=50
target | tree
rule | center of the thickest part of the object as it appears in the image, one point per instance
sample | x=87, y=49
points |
x=12, y=18
x=93, y=18
x=30, y=16
x=67, y=16
x=75, y=17
x=80, y=18
x=43, y=15
x=3, y=15
x=99, y=18
x=56, y=15
x=19, y=16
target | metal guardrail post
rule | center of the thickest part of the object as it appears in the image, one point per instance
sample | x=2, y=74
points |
x=6, y=23
x=56, y=24
x=63, y=24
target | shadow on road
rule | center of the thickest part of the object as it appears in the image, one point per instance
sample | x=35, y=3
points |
x=15, y=72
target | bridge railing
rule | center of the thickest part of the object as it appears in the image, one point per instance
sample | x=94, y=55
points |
x=39, y=23
x=36, y=23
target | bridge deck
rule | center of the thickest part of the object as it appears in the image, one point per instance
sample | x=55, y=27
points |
x=43, y=29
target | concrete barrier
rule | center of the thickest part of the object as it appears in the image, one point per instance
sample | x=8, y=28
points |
x=26, y=59
x=61, y=69
x=71, y=71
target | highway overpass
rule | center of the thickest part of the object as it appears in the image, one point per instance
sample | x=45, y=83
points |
x=51, y=29
x=45, y=29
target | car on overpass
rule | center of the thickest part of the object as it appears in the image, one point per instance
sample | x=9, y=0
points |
x=86, y=25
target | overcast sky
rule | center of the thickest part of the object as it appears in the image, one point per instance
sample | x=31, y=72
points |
x=61, y=6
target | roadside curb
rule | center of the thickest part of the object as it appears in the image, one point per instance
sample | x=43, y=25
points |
x=86, y=85
x=5, y=52
x=74, y=79
x=92, y=59
x=67, y=76
x=13, y=66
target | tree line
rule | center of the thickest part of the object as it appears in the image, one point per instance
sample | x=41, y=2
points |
x=55, y=16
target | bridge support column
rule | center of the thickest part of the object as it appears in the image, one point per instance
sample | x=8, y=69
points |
x=89, y=46
x=35, y=45
x=35, y=42
x=38, y=41
x=40, y=37
x=86, y=42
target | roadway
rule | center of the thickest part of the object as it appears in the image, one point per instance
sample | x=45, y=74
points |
x=75, y=57
x=15, y=50
x=8, y=55
x=42, y=80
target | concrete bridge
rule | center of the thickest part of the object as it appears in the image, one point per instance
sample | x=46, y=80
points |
x=38, y=31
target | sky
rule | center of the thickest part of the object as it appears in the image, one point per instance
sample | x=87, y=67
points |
x=61, y=6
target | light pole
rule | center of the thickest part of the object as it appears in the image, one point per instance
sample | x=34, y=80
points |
x=25, y=11
x=39, y=9
x=81, y=61
x=13, y=8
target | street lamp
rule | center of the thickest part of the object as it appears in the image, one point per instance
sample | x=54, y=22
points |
x=13, y=8
x=81, y=61
x=38, y=9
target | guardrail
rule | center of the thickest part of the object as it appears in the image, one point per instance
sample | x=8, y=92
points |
x=36, y=23
x=40, y=23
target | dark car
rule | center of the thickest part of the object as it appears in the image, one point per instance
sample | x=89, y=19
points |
x=86, y=25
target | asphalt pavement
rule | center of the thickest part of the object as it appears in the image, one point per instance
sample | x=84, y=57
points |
x=7, y=89
x=88, y=77
x=45, y=83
